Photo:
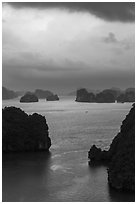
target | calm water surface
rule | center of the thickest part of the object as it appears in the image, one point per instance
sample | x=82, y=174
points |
x=64, y=173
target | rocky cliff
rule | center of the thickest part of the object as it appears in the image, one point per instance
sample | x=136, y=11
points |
x=120, y=156
x=22, y=132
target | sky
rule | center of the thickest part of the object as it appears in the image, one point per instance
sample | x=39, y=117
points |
x=65, y=46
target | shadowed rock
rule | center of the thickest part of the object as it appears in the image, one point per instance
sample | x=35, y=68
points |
x=22, y=132
x=96, y=154
x=120, y=156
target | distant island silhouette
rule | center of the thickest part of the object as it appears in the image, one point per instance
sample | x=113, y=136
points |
x=38, y=94
x=8, y=94
x=111, y=95
x=106, y=96
x=28, y=98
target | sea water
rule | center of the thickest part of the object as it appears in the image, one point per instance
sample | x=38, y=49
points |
x=64, y=173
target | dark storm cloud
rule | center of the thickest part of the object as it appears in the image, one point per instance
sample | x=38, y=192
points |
x=111, y=11
x=63, y=49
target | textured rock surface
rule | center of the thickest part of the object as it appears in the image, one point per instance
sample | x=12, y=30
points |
x=120, y=156
x=22, y=132
x=28, y=98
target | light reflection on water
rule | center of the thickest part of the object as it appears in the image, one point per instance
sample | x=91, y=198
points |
x=64, y=173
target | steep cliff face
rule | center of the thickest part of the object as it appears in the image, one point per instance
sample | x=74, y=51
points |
x=121, y=172
x=120, y=156
x=22, y=132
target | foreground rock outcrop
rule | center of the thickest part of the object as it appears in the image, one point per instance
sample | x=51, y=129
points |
x=28, y=98
x=23, y=132
x=120, y=156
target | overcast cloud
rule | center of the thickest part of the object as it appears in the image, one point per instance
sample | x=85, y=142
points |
x=65, y=46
